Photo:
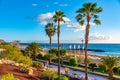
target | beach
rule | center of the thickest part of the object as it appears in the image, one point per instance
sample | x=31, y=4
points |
x=81, y=54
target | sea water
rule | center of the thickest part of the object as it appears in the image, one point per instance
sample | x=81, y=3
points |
x=110, y=49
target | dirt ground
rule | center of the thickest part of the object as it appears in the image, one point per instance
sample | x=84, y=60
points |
x=4, y=69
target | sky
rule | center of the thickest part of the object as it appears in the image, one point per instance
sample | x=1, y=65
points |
x=25, y=20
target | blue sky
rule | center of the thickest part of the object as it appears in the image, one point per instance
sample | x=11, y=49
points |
x=25, y=20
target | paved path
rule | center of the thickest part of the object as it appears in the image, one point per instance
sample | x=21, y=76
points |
x=81, y=74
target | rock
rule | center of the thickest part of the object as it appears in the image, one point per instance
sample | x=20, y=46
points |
x=30, y=72
x=16, y=64
x=0, y=62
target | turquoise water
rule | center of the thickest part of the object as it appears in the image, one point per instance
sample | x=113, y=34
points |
x=110, y=49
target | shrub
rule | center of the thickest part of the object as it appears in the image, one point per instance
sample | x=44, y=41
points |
x=118, y=70
x=92, y=66
x=13, y=53
x=61, y=60
x=8, y=77
x=25, y=60
x=51, y=74
x=37, y=65
x=55, y=51
x=64, y=78
x=102, y=67
x=49, y=57
x=24, y=69
x=73, y=61
x=40, y=56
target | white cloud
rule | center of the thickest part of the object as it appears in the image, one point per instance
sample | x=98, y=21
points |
x=48, y=18
x=55, y=2
x=98, y=36
x=34, y=4
x=63, y=5
x=77, y=27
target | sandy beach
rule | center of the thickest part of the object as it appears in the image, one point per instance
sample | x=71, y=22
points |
x=80, y=54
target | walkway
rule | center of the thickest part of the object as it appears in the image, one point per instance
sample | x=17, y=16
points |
x=81, y=74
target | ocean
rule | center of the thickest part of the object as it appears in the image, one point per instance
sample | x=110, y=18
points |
x=110, y=49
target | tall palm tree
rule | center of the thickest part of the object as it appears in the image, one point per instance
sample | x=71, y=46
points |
x=58, y=18
x=88, y=12
x=50, y=31
x=110, y=63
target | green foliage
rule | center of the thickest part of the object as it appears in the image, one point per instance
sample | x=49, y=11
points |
x=61, y=60
x=110, y=62
x=51, y=74
x=118, y=70
x=33, y=48
x=102, y=67
x=37, y=65
x=40, y=56
x=64, y=78
x=91, y=11
x=25, y=60
x=73, y=61
x=92, y=66
x=49, y=57
x=8, y=77
x=12, y=53
x=55, y=51
x=24, y=69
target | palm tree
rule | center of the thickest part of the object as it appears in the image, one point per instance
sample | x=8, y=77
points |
x=50, y=31
x=110, y=63
x=58, y=17
x=88, y=12
x=33, y=48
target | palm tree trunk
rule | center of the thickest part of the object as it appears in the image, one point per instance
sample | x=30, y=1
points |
x=86, y=46
x=59, y=49
x=110, y=74
x=50, y=42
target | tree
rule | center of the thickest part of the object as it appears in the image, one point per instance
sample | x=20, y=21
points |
x=33, y=48
x=92, y=66
x=110, y=63
x=50, y=31
x=88, y=12
x=49, y=57
x=58, y=17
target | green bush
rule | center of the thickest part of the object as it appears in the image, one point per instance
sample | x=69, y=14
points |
x=24, y=69
x=40, y=56
x=38, y=65
x=8, y=77
x=64, y=78
x=61, y=60
x=26, y=60
x=118, y=70
x=49, y=57
x=102, y=67
x=73, y=61
x=51, y=74
x=14, y=54
x=55, y=51
x=92, y=66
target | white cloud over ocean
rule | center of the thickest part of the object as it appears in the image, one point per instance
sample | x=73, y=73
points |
x=98, y=36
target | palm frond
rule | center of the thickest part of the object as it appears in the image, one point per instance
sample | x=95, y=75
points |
x=97, y=21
